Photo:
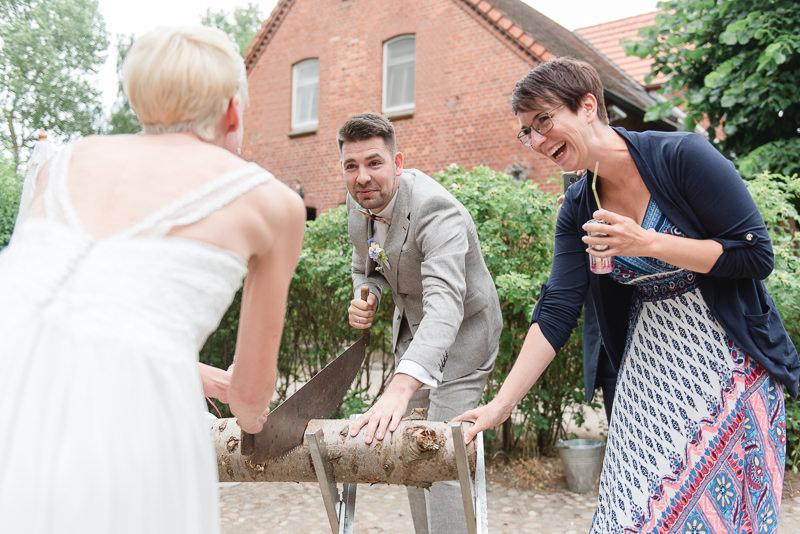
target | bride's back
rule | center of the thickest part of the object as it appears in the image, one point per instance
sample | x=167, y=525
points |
x=115, y=182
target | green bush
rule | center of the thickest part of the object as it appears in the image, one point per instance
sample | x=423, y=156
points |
x=515, y=225
x=10, y=191
x=776, y=196
x=777, y=156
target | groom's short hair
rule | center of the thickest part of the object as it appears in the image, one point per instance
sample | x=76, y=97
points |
x=366, y=126
x=182, y=79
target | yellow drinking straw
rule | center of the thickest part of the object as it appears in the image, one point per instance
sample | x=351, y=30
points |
x=594, y=184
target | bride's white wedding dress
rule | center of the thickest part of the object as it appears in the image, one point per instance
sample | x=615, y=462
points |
x=103, y=425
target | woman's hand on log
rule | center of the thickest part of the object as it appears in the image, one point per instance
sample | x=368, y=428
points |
x=483, y=417
x=389, y=409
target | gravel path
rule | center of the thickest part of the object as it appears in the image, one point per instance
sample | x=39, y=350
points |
x=288, y=508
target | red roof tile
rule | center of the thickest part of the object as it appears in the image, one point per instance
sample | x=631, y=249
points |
x=606, y=37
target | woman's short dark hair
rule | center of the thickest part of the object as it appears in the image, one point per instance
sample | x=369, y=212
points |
x=562, y=80
x=366, y=126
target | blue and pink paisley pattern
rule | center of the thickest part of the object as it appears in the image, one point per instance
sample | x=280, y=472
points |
x=697, y=439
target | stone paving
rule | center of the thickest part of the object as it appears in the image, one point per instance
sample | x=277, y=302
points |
x=287, y=508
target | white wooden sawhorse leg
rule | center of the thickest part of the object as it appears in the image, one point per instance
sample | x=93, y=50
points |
x=474, y=497
x=340, y=510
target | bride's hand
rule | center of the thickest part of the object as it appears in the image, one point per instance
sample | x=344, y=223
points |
x=255, y=426
x=215, y=382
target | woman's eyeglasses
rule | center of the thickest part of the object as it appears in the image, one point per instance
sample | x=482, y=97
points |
x=541, y=123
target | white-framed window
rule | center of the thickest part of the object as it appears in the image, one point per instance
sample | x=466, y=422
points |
x=305, y=94
x=399, y=59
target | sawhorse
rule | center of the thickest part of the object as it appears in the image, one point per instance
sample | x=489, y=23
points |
x=341, y=507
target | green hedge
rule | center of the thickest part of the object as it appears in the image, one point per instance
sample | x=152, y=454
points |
x=10, y=191
x=515, y=222
x=777, y=196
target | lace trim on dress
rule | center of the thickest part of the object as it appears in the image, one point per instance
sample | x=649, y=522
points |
x=201, y=202
x=56, y=192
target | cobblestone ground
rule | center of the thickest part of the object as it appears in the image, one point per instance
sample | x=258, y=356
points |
x=287, y=508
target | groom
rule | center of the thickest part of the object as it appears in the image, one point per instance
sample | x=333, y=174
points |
x=412, y=236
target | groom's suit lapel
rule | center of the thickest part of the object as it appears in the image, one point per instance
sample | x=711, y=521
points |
x=398, y=231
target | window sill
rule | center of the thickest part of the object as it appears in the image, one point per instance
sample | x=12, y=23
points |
x=398, y=114
x=302, y=132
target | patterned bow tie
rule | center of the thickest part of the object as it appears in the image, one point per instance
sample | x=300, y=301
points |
x=375, y=217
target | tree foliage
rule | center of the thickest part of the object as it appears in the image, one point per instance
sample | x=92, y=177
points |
x=241, y=25
x=10, y=191
x=735, y=63
x=123, y=119
x=49, y=52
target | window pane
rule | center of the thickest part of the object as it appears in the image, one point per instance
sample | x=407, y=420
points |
x=399, y=73
x=305, y=93
x=306, y=105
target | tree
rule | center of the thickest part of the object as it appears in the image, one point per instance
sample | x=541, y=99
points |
x=123, y=119
x=49, y=52
x=734, y=63
x=245, y=23
x=10, y=191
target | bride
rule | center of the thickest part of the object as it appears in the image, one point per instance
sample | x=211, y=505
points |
x=132, y=250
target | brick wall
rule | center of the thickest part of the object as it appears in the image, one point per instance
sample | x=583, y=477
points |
x=464, y=76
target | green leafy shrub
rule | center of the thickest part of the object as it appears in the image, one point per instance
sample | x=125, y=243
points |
x=778, y=156
x=10, y=191
x=776, y=196
x=515, y=224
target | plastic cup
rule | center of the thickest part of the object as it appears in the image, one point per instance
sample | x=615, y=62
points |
x=599, y=265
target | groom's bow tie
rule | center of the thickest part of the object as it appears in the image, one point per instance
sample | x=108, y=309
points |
x=375, y=217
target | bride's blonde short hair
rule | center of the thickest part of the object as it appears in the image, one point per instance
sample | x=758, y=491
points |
x=182, y=79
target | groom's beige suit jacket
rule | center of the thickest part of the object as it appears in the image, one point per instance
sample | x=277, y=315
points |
x=437, y=275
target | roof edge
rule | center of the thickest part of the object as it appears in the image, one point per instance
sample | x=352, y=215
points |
x=520, y=41
x=265, y=34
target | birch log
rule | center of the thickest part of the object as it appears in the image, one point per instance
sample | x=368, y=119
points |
x=418, y=453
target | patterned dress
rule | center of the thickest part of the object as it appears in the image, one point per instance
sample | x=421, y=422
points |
x=697, y=439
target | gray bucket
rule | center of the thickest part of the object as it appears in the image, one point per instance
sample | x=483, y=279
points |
x=582, y=460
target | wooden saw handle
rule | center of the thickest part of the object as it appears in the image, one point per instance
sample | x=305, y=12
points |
x=365, y=332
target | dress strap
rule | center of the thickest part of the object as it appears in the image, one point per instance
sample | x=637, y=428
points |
x=57, y=204
x=201, y=202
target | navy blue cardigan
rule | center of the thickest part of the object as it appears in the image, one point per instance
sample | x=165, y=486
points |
x=700, y=191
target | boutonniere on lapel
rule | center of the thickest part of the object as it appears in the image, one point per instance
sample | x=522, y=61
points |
x=378, y=255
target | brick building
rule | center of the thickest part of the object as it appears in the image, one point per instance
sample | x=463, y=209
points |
x=441, y=70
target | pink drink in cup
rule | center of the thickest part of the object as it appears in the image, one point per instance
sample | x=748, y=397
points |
x=599, y=265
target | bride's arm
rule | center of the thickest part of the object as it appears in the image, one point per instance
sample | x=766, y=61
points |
x=215, y=382
x=264, y=306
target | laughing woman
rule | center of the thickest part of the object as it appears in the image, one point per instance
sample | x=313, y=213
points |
x=697, y=435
